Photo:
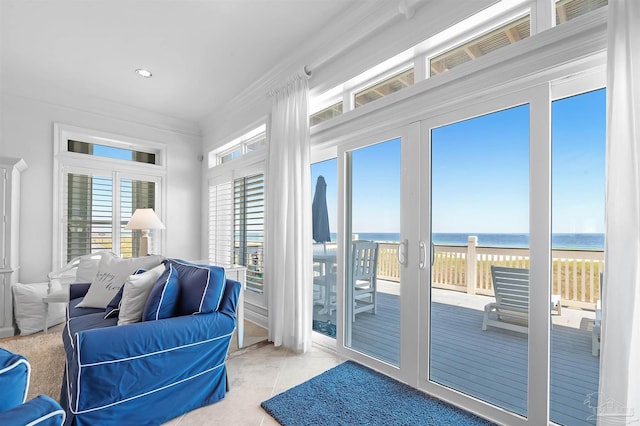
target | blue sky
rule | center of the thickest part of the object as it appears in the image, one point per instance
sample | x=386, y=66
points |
x=480, y=173
x=578, y=163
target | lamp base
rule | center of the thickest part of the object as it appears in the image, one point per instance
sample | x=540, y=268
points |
x=143, y=250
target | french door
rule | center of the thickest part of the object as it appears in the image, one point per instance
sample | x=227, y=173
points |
x=475, y=189
x=379, y=289
x=453, y=197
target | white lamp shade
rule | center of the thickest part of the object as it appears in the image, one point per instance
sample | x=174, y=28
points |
x=145, y=219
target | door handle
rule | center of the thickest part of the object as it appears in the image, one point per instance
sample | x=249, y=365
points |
x=433, y=253
x=423, y=255
x=402, y=252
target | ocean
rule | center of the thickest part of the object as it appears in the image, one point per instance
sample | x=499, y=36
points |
x=558, y=241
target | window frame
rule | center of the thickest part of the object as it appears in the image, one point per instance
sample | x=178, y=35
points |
x=65, y=162
x=240, y=144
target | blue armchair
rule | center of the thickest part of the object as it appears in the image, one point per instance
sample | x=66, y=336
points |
x=151, y=371
x=14, y=384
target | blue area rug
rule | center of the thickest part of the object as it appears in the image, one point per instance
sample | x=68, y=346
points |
x=351, y=394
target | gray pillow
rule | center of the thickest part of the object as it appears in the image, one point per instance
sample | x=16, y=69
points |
x=135, y=293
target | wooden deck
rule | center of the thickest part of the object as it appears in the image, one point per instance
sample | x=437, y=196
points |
x=490, y=365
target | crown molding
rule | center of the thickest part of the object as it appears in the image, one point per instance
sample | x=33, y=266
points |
x=346, y=30
x=108, y=109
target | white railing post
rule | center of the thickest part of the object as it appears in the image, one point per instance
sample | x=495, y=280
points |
x=471, y=265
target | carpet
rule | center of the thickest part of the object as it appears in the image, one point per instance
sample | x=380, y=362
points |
x=351, y=394
x=46, y=357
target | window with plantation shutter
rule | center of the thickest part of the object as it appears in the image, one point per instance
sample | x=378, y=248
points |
x=91, y=203
x=100, y=180
x=236, y=226
x=221, y=223
x=236, y=212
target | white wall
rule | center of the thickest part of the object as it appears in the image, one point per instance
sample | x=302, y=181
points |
x=27, y=132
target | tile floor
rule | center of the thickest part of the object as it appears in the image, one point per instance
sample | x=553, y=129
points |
x=254, y=376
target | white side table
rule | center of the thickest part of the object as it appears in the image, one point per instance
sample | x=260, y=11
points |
x=236, y=273
x=58, y=296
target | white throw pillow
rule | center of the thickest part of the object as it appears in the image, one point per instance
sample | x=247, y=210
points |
x=29, y=309
x=112, y=273
x=89, y=265
x=135, y=293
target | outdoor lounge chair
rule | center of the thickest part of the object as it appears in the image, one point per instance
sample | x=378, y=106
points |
x=511, y=309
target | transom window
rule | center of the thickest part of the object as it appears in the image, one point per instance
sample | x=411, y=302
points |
x=388, y=86
x=106, y=151
x=567, y=10
x=251, y=141
x=326, y=114
x=497, y=39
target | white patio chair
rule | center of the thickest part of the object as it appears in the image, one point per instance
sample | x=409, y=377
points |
x=597, y=323
x=364, y=257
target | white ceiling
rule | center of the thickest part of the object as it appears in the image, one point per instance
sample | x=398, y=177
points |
x=202, y=53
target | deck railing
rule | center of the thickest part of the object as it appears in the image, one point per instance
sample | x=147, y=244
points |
x=575, y=272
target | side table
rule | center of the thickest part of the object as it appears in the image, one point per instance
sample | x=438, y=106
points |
x=58, y=296
x=236, y=273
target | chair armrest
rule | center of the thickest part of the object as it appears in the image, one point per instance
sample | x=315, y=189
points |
x=230, y=297
x=41, y=411
x=78, y=290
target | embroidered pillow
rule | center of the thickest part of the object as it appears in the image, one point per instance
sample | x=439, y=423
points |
x=89, y=265
x=163, y=298
x=112, y=273
x=201, y=287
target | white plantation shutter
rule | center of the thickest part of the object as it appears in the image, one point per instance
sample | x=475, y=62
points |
x=89, y=213
x=249, y=228
x=236, y=225
x=90, y=205
x=221, y=223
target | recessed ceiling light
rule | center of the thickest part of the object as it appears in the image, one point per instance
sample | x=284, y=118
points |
x=144, y=73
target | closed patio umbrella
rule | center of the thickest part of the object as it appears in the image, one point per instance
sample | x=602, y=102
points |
x=319, y=213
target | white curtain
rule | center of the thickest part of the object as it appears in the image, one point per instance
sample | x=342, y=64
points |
x=288, y=267
x=619, y=395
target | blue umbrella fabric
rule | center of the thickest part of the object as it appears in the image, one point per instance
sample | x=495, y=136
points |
x=319, y=213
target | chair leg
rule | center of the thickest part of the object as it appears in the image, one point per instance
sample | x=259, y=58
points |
x=595, y=340
x=485, y=319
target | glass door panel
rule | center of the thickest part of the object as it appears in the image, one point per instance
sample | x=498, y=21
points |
x=578, y=193
x=372, y=279
x=324, y=178
x=480, y=247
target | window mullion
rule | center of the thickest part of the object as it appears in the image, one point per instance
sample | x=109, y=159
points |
x=115, y=213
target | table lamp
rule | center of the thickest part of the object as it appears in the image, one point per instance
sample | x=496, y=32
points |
x=144, y=220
